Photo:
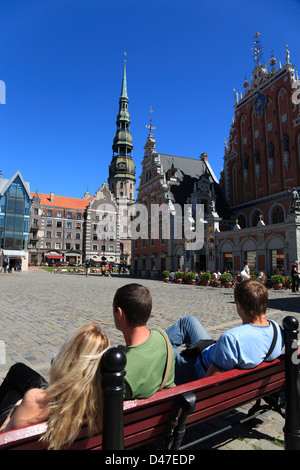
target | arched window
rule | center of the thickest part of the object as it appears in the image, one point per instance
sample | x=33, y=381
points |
x=277, y=216
x=242, y=221
x=256, y=218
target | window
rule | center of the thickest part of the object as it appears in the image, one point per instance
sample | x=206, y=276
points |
x=102, y=247
x=77, y=236
x=78, y=215
x=48, y=234
x=49, y=213
x=277, y=216
x=59, y=224
x=35, y=211
x=111, y=248
x=242, y=221
x=95, y=247
x=256, y=218
x=69, y=224
x=48, y=245
x=58, y=235
x=68, y=246
x=95, y=237
x=58, y=246
x=49, y=223
x=77, y=246
x=69, y=215
x=68, y=234
x=59, y=214
x=78, y=225
x=277, y=261
x=228, y=264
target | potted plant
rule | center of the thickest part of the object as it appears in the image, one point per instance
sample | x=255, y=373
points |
x=190, y=278
x=166, y=276
x=277, y=281
x=288, y=282
x=205, y=279
x=226, y=279
x=179, y=276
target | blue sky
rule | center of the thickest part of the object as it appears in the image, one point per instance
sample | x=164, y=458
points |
x=62, y=64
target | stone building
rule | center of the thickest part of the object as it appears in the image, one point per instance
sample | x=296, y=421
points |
x=57, y=229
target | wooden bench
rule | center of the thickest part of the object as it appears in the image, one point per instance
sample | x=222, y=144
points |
x=166, y=414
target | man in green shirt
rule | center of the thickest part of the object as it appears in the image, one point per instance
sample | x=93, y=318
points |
x=146, y=350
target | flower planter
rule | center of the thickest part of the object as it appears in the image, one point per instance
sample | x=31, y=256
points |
x=277, y=286
x=192, y=281
x=205, y=283
x=166, y=279
x=178, y=281
x=227, y=284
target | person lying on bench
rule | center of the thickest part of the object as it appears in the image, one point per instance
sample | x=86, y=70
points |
x=148, y=352
x=72, y=397
x=242, y=347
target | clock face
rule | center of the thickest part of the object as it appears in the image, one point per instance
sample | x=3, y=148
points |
x=259, y=104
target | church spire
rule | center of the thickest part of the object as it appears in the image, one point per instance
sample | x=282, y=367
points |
x=122, y=169
x=124, y=81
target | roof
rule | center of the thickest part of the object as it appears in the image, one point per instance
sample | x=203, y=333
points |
x=63, y=201
x=5, y=183
x=189, y=171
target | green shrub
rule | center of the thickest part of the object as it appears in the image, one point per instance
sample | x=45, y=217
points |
x=205, y=277
x=179, y=274
x=226, y=277
x=189, y=276
x=166, y=274
x=277, y=279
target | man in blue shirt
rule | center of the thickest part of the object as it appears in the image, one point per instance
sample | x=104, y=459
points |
x=243, y=347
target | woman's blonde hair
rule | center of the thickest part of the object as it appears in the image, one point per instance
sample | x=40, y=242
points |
x=74, y=393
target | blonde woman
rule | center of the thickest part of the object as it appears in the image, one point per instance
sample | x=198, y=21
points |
x=73, y=396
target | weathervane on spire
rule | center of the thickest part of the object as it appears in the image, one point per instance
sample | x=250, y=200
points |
x=125, y=54
x=257, y=50
x=150, y=126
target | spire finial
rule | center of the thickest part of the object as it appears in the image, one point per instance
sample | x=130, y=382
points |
x=257, y=50
x=124, y=81
x=150, y=126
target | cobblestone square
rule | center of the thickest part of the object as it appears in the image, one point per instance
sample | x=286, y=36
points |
x=39, y=310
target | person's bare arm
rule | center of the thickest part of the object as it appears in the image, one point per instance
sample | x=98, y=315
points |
x=213, y=370
x=32, y=409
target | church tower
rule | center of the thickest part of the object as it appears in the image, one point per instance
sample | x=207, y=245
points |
x=121, y=178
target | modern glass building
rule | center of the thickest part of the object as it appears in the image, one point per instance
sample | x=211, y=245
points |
x=15, y=202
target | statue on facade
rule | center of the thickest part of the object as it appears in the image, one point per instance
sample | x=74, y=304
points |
x=295, y=201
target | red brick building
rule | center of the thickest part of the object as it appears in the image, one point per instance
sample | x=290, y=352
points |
x=261, y=167
x=253, y=212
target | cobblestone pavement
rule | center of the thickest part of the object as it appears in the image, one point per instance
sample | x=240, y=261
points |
x=39, y=310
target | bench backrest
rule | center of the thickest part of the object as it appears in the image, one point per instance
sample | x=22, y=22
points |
x=145, y=419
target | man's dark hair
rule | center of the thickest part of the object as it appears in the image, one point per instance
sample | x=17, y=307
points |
x=136, y=302
x=252, y=297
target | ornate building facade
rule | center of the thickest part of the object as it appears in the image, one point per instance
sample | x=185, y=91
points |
x=261, y=169
x=253, y=211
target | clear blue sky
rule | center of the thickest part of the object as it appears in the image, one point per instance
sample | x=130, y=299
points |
x=62, y=63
